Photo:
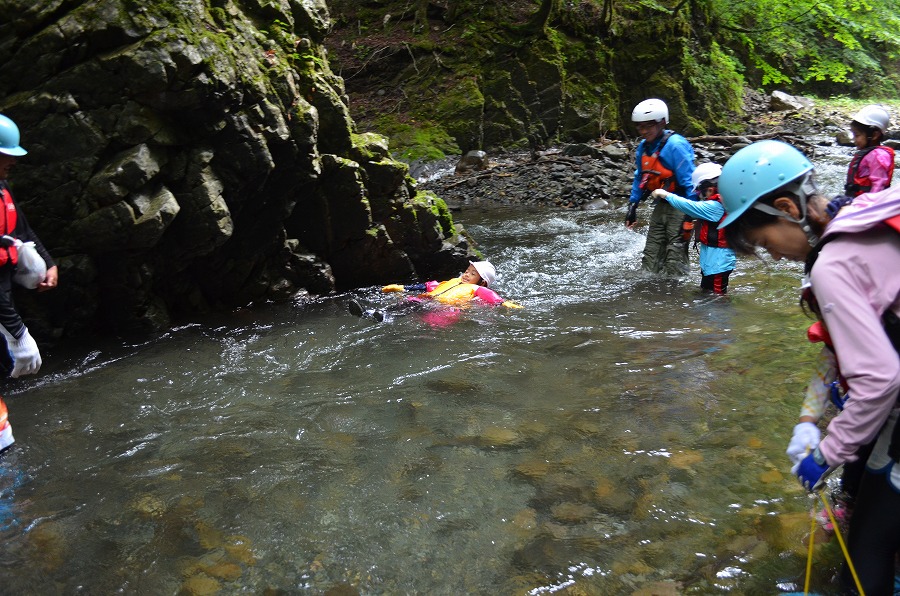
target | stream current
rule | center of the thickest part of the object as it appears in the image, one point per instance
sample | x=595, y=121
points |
x=620, y=434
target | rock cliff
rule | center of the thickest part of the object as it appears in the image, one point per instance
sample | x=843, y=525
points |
x=188, y=155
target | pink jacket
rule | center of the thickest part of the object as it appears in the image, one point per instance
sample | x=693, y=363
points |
x=855, y=279
x=877, y=167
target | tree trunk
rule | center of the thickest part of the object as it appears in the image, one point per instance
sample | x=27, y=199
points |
x=420, y=22
x=540, y=19
x=453, y=9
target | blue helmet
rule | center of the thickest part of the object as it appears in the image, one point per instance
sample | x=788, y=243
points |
x=757, y=170
x=9, y=138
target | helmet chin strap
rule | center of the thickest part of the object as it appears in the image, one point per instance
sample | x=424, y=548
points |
x=804, y=188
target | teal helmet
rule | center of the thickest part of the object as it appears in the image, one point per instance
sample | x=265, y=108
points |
x=9, y=138
x=759, y=169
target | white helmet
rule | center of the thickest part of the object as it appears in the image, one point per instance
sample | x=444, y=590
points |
x=650, y=109
x=873, y=115
x=486, y=271
x=705, y=171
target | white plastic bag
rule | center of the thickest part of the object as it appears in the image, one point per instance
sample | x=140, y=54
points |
x=31, y=269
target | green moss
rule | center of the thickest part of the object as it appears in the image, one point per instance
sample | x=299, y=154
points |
x=437, y=206
x=416, y=139
x=716, y=76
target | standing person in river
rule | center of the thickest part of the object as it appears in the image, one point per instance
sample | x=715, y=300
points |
x=872, y=166
x=665, y=160
x=21, y=356
x=717, y=260
x=772, y=203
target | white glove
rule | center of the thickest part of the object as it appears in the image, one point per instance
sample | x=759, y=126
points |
x=659, y=194
x=806, y=438
x=24, y=351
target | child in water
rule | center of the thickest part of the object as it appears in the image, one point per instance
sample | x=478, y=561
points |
x=717, y=260
x=473, y=283
x=872, y=166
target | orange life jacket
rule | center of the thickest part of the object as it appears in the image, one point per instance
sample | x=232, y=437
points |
x=709, y=233
x=653, y=173
x=8, y=254
x=856, y=184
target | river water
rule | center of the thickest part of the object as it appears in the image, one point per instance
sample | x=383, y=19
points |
x=620, y=434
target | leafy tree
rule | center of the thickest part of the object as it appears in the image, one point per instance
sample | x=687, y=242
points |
x=828, y=45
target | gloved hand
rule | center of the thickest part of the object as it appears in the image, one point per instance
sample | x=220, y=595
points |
x=806, y=438
x=659, y=194
x=392, y=288
x=812, y=470
x=25, y=354
x=631, y=216
x=509, y=304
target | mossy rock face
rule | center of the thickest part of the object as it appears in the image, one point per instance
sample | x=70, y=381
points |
x=495, y=83
x=462, y=110
x=223, y=164
x=679, y=114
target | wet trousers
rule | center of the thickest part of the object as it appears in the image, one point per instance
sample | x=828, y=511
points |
x=665, y=251
x=716, y=283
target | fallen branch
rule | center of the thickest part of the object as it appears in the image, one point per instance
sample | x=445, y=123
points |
x=478, y=177
x=735, y=138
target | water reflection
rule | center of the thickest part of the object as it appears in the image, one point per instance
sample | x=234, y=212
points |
x=620, y=433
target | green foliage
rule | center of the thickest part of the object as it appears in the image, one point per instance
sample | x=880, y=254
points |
x=811, y=41
x=717, y=77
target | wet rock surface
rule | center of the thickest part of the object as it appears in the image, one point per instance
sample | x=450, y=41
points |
x=598, y=174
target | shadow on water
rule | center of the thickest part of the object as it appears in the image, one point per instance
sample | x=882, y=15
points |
x=621, y=433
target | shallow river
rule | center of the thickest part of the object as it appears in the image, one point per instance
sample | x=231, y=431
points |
x=620, y=434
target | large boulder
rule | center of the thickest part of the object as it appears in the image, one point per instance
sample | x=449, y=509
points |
x=185, y=157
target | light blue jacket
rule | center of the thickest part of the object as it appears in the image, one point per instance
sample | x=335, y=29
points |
x=712, y=258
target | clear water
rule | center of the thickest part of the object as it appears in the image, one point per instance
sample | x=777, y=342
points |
x=620, y=434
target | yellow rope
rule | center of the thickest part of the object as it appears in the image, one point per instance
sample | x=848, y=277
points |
x=812, y=535
x=809, y=557
x=837, y=532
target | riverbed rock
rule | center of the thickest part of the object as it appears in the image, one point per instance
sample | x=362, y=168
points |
x=474, y=160
x=780, y=101
x=185, y=157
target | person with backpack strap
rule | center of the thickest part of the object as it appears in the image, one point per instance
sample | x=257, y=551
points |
x=665, y=160
x=852, y=286
x=21, y=348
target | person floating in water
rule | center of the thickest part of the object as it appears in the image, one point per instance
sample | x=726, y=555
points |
x=473, y=283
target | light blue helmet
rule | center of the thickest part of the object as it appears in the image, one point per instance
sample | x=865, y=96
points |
x=9, y=138
x=757, y=170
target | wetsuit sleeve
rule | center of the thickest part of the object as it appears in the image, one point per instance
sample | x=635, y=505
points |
x=9, y=318
x=488, y=295
x=636, y=181
x=708, y=210
x=853, y=292
x=678, y=156
x=24, y=233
